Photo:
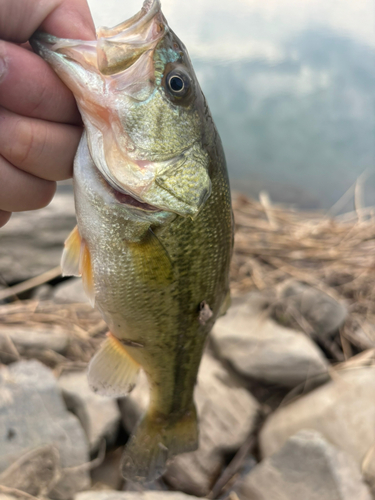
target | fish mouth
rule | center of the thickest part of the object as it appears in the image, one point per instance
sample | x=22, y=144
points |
x=115, y=49
x=127, y=199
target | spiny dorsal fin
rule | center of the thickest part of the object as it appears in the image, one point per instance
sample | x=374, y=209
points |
x=112, y=371
x=71, y=254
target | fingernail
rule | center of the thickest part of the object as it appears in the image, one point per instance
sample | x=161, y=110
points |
x=3, y=63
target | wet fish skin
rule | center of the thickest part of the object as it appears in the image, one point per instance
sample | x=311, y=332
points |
x=154, y=250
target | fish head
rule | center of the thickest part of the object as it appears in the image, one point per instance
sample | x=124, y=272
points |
x=143, y=110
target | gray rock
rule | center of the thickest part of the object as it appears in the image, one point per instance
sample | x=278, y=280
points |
x=70, y=291
x=130, y=495
x=307, y=467
x=39, y=337
x=99, y=416
x=226, y=411
x=32, y=242
x=32, y=414
x=343, y=411
x=258, y=347
x=35, y=473
x=322, y=313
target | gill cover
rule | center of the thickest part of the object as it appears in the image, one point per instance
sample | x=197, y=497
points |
x=144, y=137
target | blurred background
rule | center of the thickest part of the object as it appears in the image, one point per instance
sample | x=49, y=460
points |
x=290, y=85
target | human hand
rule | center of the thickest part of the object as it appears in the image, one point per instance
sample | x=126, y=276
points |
x=40, y=125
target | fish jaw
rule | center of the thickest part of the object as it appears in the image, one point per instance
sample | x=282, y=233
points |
x=107, y=76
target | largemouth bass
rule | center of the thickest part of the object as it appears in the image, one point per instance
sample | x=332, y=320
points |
x=154, y=228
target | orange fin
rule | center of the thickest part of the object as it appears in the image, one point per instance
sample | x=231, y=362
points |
x=86, y=273
x=112, y=371
x=71, y=254
x=76, y=261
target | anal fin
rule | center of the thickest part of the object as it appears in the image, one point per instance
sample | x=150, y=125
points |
x=112, y=371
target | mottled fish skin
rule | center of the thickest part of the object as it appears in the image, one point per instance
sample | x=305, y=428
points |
x=154, y=268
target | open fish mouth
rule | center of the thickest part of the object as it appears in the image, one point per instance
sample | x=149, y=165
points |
x=107, y=74
x=129, y=200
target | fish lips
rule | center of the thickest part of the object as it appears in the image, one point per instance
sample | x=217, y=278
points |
x=182, y=188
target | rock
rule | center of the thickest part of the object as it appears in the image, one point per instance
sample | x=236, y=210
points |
x=33, y=414
x=343, y=411
x=258, y=347
x=99, y=415
x=227, y=413
x=322, y=313
x=307, y=467
x=35, y=473
x=70, y=291
x=130, y=495
x=30, y=336
x=107, y=475
x=32, y=242
x=42, y=292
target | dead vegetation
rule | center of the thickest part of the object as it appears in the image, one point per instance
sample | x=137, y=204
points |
x=273, y=244
x=335, y=254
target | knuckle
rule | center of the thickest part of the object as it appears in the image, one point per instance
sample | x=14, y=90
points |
x=29, y=143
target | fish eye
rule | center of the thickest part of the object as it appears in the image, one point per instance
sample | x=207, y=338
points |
x=178, y=83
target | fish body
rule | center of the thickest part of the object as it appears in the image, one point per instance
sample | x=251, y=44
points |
x=154, y=229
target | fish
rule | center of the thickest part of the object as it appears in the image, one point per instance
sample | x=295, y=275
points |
x=154, y=233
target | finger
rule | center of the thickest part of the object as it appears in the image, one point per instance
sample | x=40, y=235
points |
x=65, y=18
x=4, y=217
x=44, y=149
x=28, y=86
x=21, y=191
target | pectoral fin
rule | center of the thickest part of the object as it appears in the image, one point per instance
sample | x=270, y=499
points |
x=76, y=261
x=112, y=371
x=71, y=254
x=151, y=260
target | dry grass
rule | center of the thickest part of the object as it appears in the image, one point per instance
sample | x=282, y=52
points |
x=333, y=254
x=82, y=324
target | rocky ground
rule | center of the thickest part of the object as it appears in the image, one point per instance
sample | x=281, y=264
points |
x=285, y=392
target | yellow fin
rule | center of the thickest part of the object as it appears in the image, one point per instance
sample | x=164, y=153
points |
x=155, y=441
x=112, y=371
x=86, y=273
x=151, y=260
x=71, y=254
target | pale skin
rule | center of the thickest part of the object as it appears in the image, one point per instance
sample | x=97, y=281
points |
x=40, y=126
